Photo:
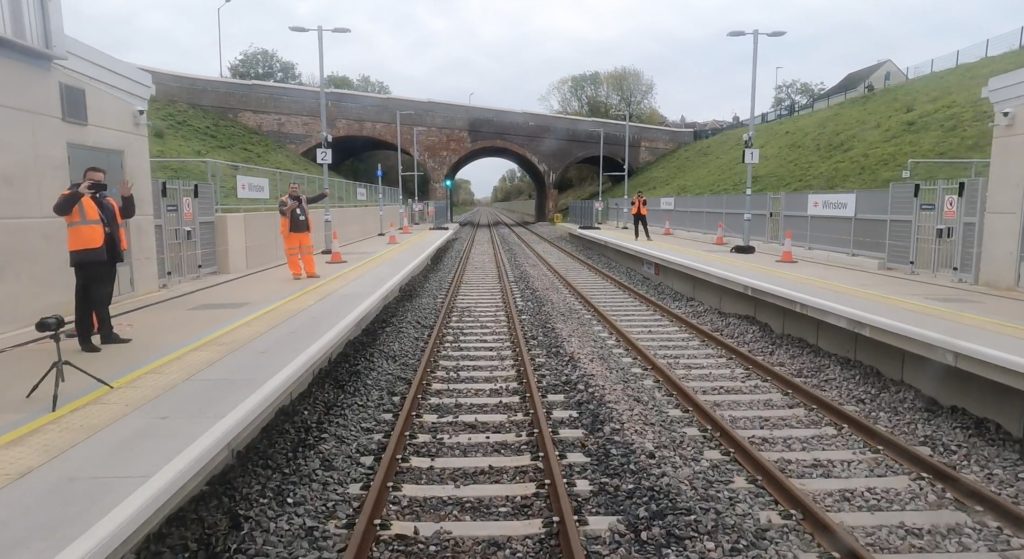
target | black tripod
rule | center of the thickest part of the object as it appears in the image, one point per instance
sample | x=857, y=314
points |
x=58, y=377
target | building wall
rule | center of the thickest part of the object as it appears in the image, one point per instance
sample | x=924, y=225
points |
x=896, y=75
x=35, y=278
x=1001, y=259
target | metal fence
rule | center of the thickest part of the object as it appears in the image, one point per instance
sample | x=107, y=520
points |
x=899, y=225
x=993, y=46
x=224, y=175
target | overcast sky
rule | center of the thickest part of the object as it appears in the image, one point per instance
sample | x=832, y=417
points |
x=507, y=52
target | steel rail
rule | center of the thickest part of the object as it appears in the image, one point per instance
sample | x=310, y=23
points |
x=364, y=533
x=965, y=489
x=817, y=521
x=568, y=532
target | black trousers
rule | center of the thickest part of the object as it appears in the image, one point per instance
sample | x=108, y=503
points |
x=637, y=220
x=94, y=289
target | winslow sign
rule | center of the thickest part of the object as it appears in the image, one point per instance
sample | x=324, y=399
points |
x=840, y=205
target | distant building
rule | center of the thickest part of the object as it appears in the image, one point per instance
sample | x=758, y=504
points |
x=704, y=129
x=877, y=76
x=64, y=106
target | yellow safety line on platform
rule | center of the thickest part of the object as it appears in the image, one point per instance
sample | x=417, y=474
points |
x=128, y=378
x=906, y=303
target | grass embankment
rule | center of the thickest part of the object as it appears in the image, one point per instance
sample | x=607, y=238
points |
x=182, y=131
x=860, y=143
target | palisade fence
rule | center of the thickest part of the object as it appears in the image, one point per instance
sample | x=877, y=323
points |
x=1003, y=43
x=863, y=234
x=224, y=176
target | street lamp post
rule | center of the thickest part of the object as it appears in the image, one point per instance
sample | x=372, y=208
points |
x=625, y=171
x=220, y=50
x=471, y=98
x=600, y=169
x=749, y=144
x=325, y=138
x=415, y=175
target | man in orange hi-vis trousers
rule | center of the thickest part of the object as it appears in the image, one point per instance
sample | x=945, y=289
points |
x=296, y=231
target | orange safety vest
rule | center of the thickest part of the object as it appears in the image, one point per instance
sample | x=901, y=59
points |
x=86, y=233
x=286, y=220
x=639, y=207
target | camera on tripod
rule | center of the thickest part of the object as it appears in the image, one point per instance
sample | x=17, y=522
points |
x=52, y=323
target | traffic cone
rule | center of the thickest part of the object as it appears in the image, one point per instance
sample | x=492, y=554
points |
x=405, y=225
x=720, y=238
x=787, y=250
x=336, y=257
x=668, y=228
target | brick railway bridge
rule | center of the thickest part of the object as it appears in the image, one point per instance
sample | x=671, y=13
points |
x=451, y=135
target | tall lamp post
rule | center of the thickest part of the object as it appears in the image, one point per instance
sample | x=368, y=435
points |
x=600, y=170
x=220, y=50
x=625, y=171
x=749, y=143
x=471, y=98
x=325, y=138
x=415, y=175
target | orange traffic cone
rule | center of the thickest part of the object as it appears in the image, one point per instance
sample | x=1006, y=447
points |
x=787, y=250
x=668, y=228
x=405, y=225
x=392, y=239
x=720, y=238
x=336, y=257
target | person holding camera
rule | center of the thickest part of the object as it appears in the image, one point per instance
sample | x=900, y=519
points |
x=96, y=244
x=296, y=231
x=639, y=211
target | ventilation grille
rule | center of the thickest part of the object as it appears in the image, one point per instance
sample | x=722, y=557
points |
x=72, y=104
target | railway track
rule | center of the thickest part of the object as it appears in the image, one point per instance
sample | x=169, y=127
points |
x=473, y=434
x=759, y=415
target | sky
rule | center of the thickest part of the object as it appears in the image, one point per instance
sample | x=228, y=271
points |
x=506, y=52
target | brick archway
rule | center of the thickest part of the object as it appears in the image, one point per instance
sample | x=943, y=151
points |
x=542, y=177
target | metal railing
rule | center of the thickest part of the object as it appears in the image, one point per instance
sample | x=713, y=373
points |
x=224, y=176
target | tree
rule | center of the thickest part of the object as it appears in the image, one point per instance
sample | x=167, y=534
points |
x=363, y=83
x=462, y=193
x=601, y=94
x=793, y=94
x=514, y=184
x=264, y=65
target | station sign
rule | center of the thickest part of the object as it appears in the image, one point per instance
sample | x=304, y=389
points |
x=837, y=205
x=252, y=187
x=668, y=203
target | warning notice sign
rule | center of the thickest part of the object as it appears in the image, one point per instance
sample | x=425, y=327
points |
x=949, y=204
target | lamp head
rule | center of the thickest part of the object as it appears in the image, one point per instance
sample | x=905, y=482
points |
x=341, y=30
x=298, y=29
x=776, y=33
x=735, y=33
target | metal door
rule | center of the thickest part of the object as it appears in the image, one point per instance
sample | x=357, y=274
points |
x=176, y=208
x=947, y=226
x=79, y=159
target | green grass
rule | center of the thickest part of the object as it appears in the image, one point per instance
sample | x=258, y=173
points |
x=861, y=143
x=182, y=131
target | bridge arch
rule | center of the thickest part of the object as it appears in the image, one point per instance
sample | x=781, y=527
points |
x=611, y=165
x=512, y=153
x=346, y=148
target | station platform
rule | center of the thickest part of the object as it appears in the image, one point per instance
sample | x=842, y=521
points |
x=961, y=344
x=209, y=364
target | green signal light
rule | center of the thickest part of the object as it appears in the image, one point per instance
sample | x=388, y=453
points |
x=448, y=183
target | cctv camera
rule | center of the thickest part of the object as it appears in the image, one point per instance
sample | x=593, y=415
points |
x=141, y=111
x=1006, y=112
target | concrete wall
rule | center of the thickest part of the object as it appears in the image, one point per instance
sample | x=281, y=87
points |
x=35, y=278
x=1000, y=257
x=250, y=241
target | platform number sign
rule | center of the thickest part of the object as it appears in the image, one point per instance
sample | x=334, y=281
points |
x=949, y=207
x=324, y=156
x=186, y=209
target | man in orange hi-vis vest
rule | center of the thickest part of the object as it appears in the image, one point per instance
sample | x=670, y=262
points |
x=639, y=211
x=96, y=243
x=297, y=232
